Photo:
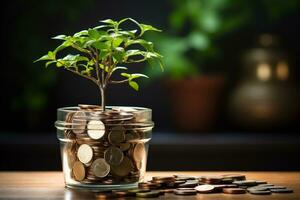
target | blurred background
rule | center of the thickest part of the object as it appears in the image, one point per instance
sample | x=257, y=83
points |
x=228, y=99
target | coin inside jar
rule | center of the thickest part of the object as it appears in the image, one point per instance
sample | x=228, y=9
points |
x=123, y=168
x=78, y=171
x=139, y=152
x=116, y=135
x=85, y=153
x=113, y=155
x=100, y=168
x=79, y=122
x=95, y=129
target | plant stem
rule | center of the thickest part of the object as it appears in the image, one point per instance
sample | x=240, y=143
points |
x=103, y=102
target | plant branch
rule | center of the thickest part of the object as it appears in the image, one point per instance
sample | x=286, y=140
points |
x=85, y=76
x=117, y=82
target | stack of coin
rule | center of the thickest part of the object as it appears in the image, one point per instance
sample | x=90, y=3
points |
x=106, y=147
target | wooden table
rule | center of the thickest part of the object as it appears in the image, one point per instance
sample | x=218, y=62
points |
x=50, y=185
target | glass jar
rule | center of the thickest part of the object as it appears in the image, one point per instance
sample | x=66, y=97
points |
x=104, y=150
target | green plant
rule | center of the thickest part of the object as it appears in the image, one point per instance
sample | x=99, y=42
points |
x=103, y=50
x=196, y=27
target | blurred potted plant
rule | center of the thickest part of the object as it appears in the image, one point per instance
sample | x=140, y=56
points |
x=194, y=59
x=194, y=82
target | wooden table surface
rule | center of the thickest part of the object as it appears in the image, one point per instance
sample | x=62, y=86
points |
x=50, y=185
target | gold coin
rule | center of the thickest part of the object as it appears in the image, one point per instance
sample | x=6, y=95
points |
x=124, y=146
x=116, y=135
x=78, y=171
x=86, y=106
x=70, y=150
x=100, y=168
x=79, y=122
x=113, y=156
x=95, y=129
x=124, y=109
x=123, y=168
x=139, y=152
x=85, y=153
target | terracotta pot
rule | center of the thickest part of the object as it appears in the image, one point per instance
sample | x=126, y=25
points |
x=194, y=102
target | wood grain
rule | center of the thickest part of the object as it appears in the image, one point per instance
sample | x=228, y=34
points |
x=50, y=185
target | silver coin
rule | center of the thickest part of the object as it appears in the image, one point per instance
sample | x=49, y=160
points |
x=113, y=156
x=100, y=168
x=85, y=153
x=79, y=122
x=95, y=129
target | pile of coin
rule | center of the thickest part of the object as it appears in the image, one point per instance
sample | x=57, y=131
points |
x=106, y=147
x=188, y=185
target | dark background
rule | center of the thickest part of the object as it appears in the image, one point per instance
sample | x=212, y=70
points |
x=30, y=94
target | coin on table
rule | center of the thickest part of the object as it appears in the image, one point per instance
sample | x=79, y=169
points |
x=150, y=194
x=113, y=155
x=234, y=190
x=205, y=188
x=282, y=190
x=116, y=135
x=78, y=171
x=85, y=153
x=189, y=184
x=100, y=168
x=79, y=122
x=123, y=168
x=139, y=152
x=95, y=129
x=185, y=192
x=235, y=177
x=260, y=192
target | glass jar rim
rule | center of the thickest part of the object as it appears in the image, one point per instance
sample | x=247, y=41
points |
x=97, y=115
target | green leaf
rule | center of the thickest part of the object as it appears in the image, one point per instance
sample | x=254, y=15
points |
x=116, y=42
x=133, y=76
x=119, y=54
x=44, y=57
x=100, y=45
x=145, y=27
x=49, y=63
x=60, y=37
x=93, y=33
x=147, y=45
x=119, y=68
x=134, y=85
x=110, y=21
x=104, y=53
x=81, y=33
x=51, y=55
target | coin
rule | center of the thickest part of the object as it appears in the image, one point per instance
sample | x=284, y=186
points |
x=150, y=194
x=211, y=179
x=78, y=171
x=124, y=146
x=70, y=150
x=235, y=177
x=234, y=190
x=259, y=192
x=123, y=168
x=185, y=192
x=116, y=135
x=124, y=109
x=245, y=183
x=85, y=153
x=86, y=106
x=113, y=155
x=205, y=188
x=95, y=129
x=139, y=190
x=189, y=184
x=139, y=152
x=100, y=167
x=149, y=185
x=79, y=122
x=286, y=190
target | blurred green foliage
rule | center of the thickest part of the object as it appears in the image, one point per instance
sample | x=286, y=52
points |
x=195, y=26
x=29, y=36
